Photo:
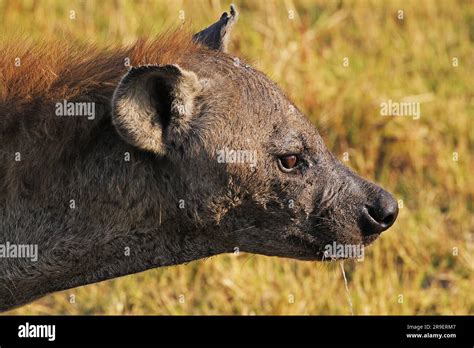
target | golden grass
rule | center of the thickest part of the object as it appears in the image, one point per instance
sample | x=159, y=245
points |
x=388, y=59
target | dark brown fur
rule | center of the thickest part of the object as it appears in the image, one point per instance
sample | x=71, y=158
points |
x=174, y=201
x=54, y=71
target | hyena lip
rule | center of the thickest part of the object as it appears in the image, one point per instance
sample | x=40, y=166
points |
x=311, y=250
x=320, y=257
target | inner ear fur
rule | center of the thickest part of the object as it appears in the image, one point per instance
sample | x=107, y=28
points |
x=151, y=100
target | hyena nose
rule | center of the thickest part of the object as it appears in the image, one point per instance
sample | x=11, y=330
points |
x=380, y=214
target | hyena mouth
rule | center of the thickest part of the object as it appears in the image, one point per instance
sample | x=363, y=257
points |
x=331, y=249
x=340, y=251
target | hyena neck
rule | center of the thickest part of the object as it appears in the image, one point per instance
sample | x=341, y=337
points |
x=93, y=227
x=103, y=252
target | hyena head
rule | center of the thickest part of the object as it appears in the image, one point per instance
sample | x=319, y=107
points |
x=251, y=166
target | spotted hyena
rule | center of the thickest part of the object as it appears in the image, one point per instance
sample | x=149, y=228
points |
x=121, y=160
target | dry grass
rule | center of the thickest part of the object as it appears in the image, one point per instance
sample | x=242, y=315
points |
x=388, y=59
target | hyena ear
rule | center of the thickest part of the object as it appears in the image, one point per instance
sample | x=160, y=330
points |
x=153, y=104
x=217, y=35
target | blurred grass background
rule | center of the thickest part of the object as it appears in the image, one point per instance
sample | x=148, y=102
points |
x=302, y=45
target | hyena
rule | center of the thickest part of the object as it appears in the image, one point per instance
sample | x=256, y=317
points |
x=139, y=185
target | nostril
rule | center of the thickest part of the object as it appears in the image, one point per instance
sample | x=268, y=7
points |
x=384, y=213
x=375, y=213
x=378, y=214
x=389, y=219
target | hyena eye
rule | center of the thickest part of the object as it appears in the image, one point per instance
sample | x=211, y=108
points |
x=288, y=162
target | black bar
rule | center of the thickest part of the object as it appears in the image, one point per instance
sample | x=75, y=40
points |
x=260, y=330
